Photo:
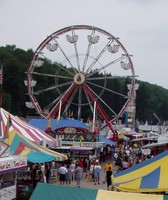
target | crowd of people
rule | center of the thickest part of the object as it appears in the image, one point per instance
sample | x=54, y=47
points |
x=89, y=168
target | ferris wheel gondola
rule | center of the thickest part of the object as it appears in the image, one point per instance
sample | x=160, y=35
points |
x=74, y=68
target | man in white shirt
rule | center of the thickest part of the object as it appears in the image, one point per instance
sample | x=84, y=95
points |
x=62, y=172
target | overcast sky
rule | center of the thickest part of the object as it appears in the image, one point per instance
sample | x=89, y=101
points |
x=141, y=25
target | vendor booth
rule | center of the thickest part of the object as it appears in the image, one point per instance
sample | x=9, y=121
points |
x=9, y=165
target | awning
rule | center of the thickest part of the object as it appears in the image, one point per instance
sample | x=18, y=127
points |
x=144, y=139
x=102, y=138
x=131, y=133
x=154, y=144
x=42, y=123
x=45, y=191
x=30, y=132
x=19, y=145
x=78, y=149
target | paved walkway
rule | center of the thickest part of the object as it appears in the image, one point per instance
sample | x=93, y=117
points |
x=85, y=183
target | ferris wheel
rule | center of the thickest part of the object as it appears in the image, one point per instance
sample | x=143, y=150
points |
x=76, y=70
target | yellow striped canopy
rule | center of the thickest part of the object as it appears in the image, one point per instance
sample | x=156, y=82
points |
x=149, y=176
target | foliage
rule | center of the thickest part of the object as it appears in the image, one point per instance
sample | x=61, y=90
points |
x=150, y=98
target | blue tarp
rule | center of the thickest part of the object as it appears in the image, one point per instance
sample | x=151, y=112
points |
x=43, y=123
x=102, y=138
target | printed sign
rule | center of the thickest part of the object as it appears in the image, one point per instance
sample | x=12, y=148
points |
x=8, y=163
x=8, y=193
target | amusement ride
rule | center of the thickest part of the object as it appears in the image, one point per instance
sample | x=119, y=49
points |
x=85, y=62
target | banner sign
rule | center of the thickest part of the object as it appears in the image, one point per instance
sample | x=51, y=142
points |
x=12, y=163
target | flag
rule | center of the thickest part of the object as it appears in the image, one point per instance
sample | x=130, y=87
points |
x=80, y=142
x=73, y=143
x=8, y=125
x=1, y=76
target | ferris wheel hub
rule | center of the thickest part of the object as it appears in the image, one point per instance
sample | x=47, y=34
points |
x=79, y=78
x=90, y=58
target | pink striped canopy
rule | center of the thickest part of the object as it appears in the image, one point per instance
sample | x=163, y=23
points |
x=30, y=132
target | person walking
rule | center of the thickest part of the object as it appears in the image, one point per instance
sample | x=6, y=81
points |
x=108, y=177
x=78, y=175
x=62, y=172
x=97, y=169
x=72, y=167
x=107, y=165
x=91, y=172
x=48, y=173
x=125, y=164
x=68, y=175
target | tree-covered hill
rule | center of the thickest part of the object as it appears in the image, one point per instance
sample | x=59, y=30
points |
x=150, y=98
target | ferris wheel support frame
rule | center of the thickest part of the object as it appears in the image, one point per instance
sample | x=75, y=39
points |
x=99, y=108
x=67, y=95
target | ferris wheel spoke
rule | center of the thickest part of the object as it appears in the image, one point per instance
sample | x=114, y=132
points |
x=73, y=40
x=67, y=59
x=76, y=52
x=106, y=77
x=77, y=57
x=79, y=102
x=105, y=66
x=98, y=106
x=64, y=97
x=118, y=115
x=70, y=101
x=52, y=88
x=88, y=99
x=97, y=96
x=57, y=64
x=49, y=106
x=98, y=56
x=109, y=90
x=87, y=52
x=51, y=75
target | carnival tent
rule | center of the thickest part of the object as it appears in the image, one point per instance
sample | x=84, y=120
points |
x=43, y=123
x=45, y=191
x=19, y=145
x=149, y=176
x=32, y=133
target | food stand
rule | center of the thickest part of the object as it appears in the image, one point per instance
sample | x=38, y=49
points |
x=9, y=165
